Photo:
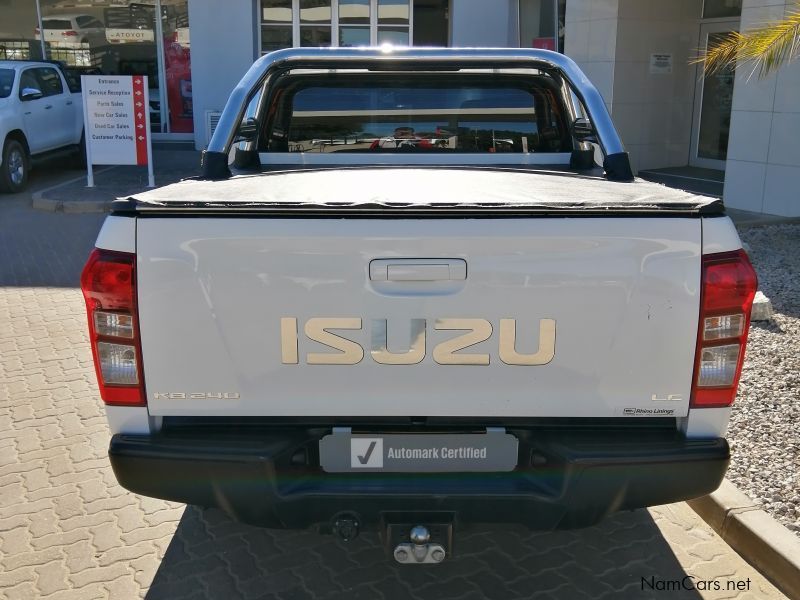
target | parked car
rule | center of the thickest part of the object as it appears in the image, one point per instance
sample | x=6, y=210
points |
x=418, y=339
x=75, y=28
x=39, y=116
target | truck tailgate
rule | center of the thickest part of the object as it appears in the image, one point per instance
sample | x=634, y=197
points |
x=578, y=317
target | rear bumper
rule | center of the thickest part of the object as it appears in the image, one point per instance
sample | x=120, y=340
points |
x=564, y=479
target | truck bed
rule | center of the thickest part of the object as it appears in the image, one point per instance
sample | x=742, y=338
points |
x=382, y=191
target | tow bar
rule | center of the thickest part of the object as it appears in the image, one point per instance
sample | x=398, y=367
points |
x=419, y=550
x=419, y=544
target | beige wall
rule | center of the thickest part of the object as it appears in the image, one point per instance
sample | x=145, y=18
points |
x=653, y=111
x=17, y=19
x=590, y=39
x=763, y=167
x=613, y=40
x=17, y=22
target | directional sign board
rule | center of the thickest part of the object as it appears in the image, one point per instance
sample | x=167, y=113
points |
x=117, y=118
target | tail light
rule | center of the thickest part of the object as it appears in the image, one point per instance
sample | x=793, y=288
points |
x=70, y=33
x=108, y=282
x=729, y=284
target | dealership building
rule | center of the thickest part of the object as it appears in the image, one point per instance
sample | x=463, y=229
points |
x=727, y=134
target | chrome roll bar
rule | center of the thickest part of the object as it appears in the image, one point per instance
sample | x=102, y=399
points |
x=392, y=58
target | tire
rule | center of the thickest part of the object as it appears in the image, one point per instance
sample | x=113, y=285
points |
x=15, y=167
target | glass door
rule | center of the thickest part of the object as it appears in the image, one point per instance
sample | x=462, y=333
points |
x=712, y=104
x=126, y=37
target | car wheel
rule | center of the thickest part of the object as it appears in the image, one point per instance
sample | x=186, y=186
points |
x=15, y=167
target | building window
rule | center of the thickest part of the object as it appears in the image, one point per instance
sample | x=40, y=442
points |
x=276, y=28
x=19, y=31
x=714, y=9
x=394, y=17
x=288, y=23
x=316, y=18
x=110, y=37
x=354, y=22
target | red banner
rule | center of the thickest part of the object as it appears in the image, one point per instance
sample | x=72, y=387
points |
x=140, y=105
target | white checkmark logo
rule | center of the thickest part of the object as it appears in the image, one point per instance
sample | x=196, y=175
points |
x=366, y=453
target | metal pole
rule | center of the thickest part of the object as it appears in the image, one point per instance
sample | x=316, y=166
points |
x=161, y=75
x=41, y=30
x=89, y=166
x=151, y=182
x=555, y=31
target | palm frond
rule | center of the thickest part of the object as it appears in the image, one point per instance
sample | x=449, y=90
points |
x=722, y=55
x=765, y=48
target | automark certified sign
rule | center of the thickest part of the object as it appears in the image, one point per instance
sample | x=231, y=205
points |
x=419, y=453
x=116, y=117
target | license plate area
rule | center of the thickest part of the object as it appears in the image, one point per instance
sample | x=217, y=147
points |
x=347, y=452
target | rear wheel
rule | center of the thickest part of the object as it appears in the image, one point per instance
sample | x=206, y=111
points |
x=15, y=167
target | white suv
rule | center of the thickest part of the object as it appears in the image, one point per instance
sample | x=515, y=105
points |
x=75, y=28
x=39, y=116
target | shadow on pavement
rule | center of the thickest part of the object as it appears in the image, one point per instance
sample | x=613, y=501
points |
x=123, y=181
x=43, y=249
x=211, y=556
x=39, y=248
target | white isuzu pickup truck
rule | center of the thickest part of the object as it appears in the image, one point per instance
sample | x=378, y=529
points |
x=404, y=296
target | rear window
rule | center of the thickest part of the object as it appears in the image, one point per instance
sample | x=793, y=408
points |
x=408, y=113
x=6, y=82
x=57, y=24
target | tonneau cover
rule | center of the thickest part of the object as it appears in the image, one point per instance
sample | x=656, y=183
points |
x=363, y=190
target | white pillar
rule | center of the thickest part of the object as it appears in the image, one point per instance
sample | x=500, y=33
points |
x=478, y=23
x=223, y=39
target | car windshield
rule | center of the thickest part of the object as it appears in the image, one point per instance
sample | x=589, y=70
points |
x=6, y=82
x=401, y=113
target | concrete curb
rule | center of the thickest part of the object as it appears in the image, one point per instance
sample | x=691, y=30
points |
x=746, y=219
x=39, y=202
x=747, y=223
x=754, y=535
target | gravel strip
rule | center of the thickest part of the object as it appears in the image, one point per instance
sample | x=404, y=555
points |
x=765, y=424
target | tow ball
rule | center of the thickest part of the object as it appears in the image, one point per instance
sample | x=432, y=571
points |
x=419, y=550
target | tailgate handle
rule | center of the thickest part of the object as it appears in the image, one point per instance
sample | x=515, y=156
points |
x=433, y=269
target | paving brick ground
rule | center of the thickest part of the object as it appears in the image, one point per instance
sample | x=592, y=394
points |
x=68, y=531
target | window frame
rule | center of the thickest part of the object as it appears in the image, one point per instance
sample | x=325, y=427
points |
x=38, y=74
x=335, y=26
x=732, y=16
x=22, y=85
x=13, y=81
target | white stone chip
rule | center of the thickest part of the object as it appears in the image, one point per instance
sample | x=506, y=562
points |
x=762, y=308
